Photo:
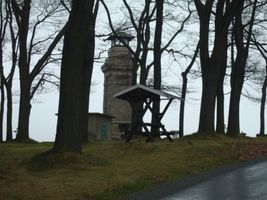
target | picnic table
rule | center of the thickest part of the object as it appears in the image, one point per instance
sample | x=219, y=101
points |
x=141, y=99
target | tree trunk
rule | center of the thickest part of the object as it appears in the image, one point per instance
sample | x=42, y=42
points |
x=262, y=108
x=77, y=61
x=3, y=22
x=22, y=17
x=212, y=61
x=237, y=80
x=207, y=110
x=263, y=52
x=88, y=69
x=9, y=79
x=238, y=70
x=184, y=90
x=211, y=68
x=157, y=62
x=9, y=113
x=2, y=107
x=157, y=44
x=134, y=71
x=206, y=119
x=24, y=108
x=220, y=125
x=2, y=92
x=210, y=83
x=182, y=105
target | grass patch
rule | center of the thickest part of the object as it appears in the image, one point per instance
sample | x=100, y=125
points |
x=111, y=170
x=123, y=191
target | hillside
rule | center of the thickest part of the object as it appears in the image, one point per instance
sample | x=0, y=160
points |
x=110, y=170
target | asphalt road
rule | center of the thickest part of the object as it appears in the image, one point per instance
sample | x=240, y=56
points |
x=246, y=181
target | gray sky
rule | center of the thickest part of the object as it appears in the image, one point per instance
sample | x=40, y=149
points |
x=43, y=119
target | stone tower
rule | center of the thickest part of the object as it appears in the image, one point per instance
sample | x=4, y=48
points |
x=117, y=70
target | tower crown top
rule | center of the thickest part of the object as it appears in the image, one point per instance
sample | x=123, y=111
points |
x=119, y=37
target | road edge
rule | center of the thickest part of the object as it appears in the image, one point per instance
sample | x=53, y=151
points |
x=172, y=187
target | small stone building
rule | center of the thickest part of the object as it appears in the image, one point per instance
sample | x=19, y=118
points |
x=99, y=126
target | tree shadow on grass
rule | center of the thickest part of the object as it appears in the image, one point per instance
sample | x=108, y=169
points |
x=51, y=160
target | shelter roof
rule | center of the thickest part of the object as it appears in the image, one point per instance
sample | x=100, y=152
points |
x=141, y=92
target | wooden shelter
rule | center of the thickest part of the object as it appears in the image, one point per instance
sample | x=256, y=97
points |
x=141, y=98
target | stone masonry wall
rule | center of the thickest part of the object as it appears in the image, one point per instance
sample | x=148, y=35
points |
x=118, y=76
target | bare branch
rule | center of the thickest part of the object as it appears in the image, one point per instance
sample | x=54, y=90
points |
x=40, y=64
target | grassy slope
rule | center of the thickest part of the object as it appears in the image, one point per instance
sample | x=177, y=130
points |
x=110, y=170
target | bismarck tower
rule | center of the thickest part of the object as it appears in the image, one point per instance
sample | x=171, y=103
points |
x=117, y=70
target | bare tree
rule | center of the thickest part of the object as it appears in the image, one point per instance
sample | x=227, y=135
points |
x=157, y=62
x=9, y=78
x=263, y=52
x=29, y=46
x=184, y=91
x=238, y=69
x=263, y=98
x=3, y=26
x=212, y=61
x=76, y=72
